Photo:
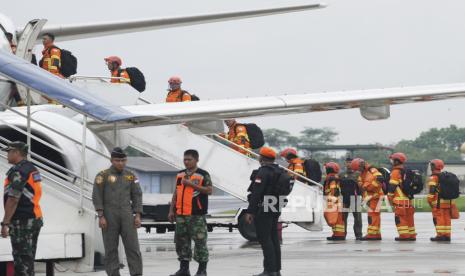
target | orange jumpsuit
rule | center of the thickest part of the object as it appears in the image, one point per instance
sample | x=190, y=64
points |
x=372, y=193
x=51, y=60
x=178, y=96
x=332, y=192
x=441, y=208
x=120, y=73
x=403, y=205
x=297, y=165
x=238, y=135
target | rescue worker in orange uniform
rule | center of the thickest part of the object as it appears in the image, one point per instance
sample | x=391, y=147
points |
x=175, y=93
x=295, y=163
x=402, y=202
x=118, y=74
x=238, y=135
x=51, y=55
x=332, y=191
x=441, y=208
x=370, y=180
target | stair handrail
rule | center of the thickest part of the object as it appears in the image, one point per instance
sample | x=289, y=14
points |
x=255, y=155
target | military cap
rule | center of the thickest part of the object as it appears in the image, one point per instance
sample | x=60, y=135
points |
x=118, y=153
x=16, y=145
x=268, y=152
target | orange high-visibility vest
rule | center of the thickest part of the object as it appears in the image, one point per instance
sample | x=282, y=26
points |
x=189, y=201
x=178, y=96
x=28, y=205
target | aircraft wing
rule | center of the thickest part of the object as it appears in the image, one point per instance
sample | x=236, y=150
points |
x=79, y=31
x=374, y=103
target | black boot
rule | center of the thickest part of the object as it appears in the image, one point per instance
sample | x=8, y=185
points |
x=202, y=271
x=440, y=239
x=183, y=269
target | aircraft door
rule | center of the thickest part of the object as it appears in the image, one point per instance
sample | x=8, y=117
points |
x=25, y=46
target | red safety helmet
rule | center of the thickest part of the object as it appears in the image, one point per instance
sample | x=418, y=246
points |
x=114, y=59
x=399, y=156
x=357, y=163
x=286, y=152
x=334, y=166
x=438, y=164
x=175, y=80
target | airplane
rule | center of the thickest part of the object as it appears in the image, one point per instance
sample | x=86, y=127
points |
x=71, y=141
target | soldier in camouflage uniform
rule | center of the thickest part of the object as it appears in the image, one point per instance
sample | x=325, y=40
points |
x=189, y=207
x=117, y=198
x=23, y=216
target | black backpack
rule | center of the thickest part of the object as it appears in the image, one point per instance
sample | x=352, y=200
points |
x=137, y=79
x=68, y=63
x=448, y=186
x=412, y=182
x=257, y=140
x=283, y=185
x=194, y=97
x=313, y=170
x=386, y=173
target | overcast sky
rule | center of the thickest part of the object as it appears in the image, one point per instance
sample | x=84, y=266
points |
x=353, y=44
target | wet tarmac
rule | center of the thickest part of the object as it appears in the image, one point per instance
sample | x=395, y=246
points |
x=308, y=253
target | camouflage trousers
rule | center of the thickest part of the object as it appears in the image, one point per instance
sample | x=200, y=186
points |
x=190, y=228
x=23, y=235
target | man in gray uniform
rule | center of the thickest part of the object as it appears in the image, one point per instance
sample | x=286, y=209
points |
x=117, y=197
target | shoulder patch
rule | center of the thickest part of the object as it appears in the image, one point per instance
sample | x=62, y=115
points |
x=99, y=180
x=36, y=176
x=111, y=179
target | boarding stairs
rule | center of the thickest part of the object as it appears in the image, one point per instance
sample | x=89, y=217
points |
x=229, y=169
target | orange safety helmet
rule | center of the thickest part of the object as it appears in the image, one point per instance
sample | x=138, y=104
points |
x=286, y=152
x=175, y=80
x=333, y=166
x=399, y=156
x=357, y=163
x=438, y=164
x=114, y=59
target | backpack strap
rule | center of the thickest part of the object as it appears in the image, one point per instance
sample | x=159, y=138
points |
x=120, y=70
x=181, y=95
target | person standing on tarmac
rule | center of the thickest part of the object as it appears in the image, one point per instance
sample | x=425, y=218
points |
x=332, y=191
x=351, y=199
x=441, y=208
x=117, y=198
x=402, y=203
x=370, y=180
x=23, y=216
x=189, y=206
x=266, y=220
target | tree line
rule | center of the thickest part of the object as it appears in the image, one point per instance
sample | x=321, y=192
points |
x=442, y=143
